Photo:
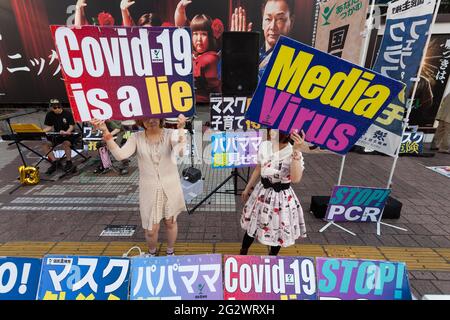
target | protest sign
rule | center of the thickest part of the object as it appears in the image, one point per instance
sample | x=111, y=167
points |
x=340, y=26
x=269, y=278
x=124, y=73
x=235, y=149
x=358, y=204
x=412, y=143
x=19, y=278
x=195, y=277
x=347, y=279
x=83, y=278
x=332, y=100
x=402, y=48
x=227, y=113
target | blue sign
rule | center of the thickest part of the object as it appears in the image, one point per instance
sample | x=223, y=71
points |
x=195, y=277
x=19, y=278
x=332, y=100
x=399, y=57
x=84, y=278
x=349, y=279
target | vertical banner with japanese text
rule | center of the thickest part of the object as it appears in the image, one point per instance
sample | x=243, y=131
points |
x=19, y=278
x=235, y=149
x=83, y=278
x=402, y=48
x=193, y=277
x=349, y=279
x=412, y=143
x=340, y=26
x=269, y=278
x=433, y=81
x=125, y=73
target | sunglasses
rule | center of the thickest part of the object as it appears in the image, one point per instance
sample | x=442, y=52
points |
x=56, y=107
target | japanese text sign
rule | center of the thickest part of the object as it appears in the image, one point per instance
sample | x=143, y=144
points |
x=84, y=278
x=347, y=279
x=402, y=48
x=339, y=28
x=195, y=277
x=227, y=113
x=412, y=143
x=359, y=204
x=332, y=100
x=126, y=72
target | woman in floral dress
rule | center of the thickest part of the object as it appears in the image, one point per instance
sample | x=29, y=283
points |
x=272, y=212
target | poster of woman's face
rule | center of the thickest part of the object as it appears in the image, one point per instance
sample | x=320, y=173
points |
x=25, y=31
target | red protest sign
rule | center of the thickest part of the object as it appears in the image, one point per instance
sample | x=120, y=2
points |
x=126, y=72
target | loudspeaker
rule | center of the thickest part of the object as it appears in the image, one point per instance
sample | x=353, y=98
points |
x=240, y=60
x=192, y=174
x=319, y=205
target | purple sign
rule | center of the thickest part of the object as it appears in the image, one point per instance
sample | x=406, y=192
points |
x=269, y=278
x=346, y=279
x=235, y=149
x=360, y=204
x=196, y=277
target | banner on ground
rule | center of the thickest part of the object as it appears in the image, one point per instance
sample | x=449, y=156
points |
x=227, y=113
x=356, y=204
x=83, y=278
x=332, y=100
x=19, y=278
x=347, y=279
x=125, y=73
x=412, y=143
x=444, y=170
x=196, y=277
x=269, y=278
x=340, y=28
x=433, y=81
x=402, y=48
x=235, y=149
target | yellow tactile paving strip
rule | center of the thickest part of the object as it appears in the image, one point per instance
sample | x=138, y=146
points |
x=434, y=259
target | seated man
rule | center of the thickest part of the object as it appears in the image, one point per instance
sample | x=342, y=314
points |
x=62, y=122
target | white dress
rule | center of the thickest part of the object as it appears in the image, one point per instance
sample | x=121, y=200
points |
x=160, y=190
x=274, y=218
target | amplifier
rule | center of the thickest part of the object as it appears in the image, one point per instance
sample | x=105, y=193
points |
x=319, y=205
x=192, y=174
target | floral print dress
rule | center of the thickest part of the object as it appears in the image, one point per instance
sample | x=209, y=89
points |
x=274, y=218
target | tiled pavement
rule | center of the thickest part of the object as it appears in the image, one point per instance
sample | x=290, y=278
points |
x=71, y=213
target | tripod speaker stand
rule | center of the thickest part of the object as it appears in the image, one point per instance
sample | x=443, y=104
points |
x=233, y=175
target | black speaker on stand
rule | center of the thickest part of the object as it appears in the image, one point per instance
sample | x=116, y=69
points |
x=240, y=61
